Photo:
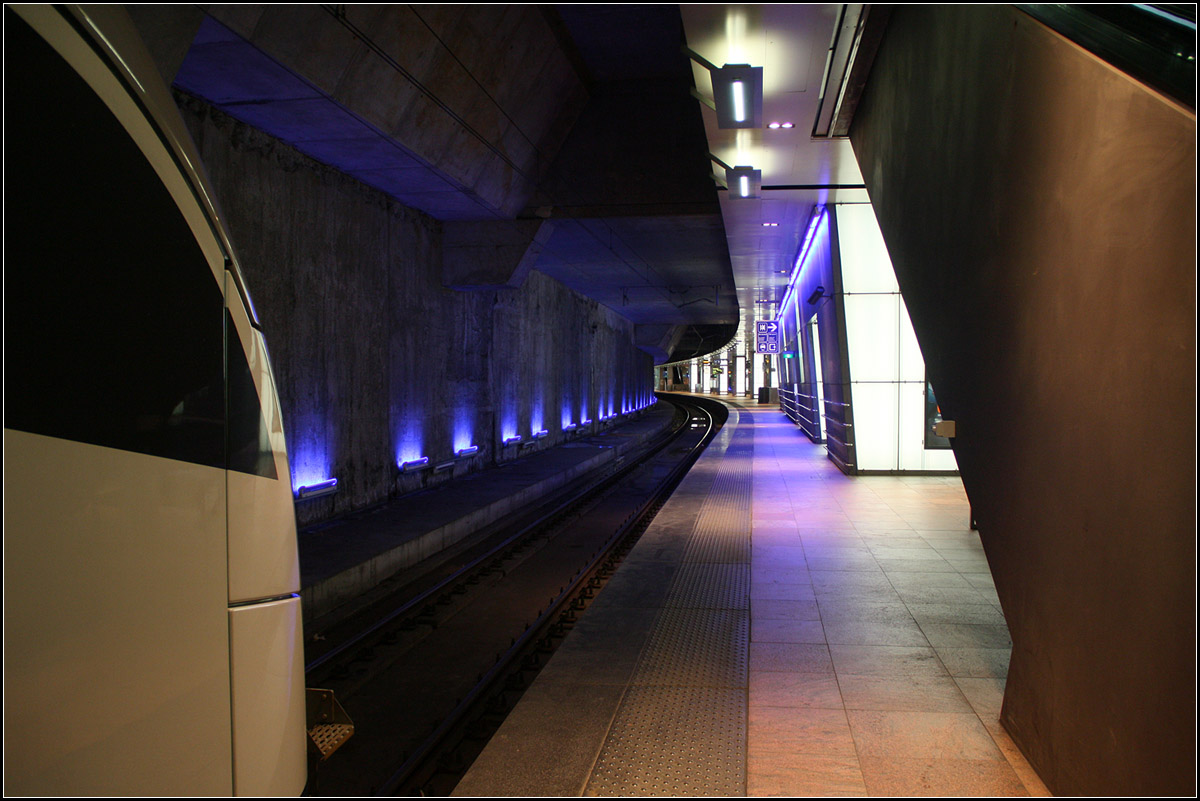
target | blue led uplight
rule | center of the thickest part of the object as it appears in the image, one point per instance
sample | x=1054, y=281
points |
x=819, y=215
x=326, y=487
x=463, y=453
x=414, y=465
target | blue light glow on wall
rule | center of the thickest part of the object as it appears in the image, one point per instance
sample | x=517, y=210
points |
x=535, y=414
x=508, y=422
x=410, y=440
x=308, y=453
x=816, y=223
x=464, y=427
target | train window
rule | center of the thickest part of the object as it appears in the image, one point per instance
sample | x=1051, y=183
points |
x=113, y=319
x=249, y=448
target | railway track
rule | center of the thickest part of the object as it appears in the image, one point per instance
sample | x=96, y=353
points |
x=429, y=673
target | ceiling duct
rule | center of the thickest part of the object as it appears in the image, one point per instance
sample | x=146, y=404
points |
x=848, y=63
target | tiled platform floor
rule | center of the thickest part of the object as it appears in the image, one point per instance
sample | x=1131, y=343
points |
x=877, y=651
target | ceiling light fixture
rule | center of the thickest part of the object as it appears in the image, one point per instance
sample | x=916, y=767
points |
x=739, y=101
x=743, y=182
x=738, y=95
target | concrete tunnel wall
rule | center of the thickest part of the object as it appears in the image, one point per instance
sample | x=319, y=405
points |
x=1039, y=208
x=376, y=361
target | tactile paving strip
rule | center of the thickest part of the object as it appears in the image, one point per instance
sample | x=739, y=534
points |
x=681, y=727
x=711, y=586
x=675, y=741
x=696, y=647
x=722, y=532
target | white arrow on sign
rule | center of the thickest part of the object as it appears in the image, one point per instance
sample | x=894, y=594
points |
x=769, y=327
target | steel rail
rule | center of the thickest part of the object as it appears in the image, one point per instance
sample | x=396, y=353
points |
x=536, y=630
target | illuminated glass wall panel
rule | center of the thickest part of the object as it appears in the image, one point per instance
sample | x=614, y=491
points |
x=887, y=372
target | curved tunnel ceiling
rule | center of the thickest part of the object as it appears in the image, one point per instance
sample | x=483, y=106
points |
x=577, y=115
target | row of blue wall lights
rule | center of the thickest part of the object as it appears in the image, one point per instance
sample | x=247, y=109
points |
x=424, y=463
x=330, y=486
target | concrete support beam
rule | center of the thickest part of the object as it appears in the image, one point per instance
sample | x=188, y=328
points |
x=658, y=340
x=168, y=31
x=455, y=110
x=491, y=254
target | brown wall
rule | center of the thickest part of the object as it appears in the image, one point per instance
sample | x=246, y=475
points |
x=1039, y=207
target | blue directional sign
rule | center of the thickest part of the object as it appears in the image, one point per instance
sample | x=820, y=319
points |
x=766, y=336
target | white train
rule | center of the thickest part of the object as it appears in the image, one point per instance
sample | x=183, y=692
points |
x=152, y=629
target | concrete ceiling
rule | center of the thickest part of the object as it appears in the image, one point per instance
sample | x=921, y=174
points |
x=581, y=115
x=791, y=43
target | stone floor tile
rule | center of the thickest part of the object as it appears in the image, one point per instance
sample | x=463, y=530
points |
x=790, y=657
x=852, y=593
x=985, y=695
x=782, y=732
x=886, y=660
x=911, y=693
x=977, y=614
x=1020, y=765
x=794, y=690
x=782, y=610
x=897, y=565
x=866, y=632
x=902, y=579
x=892, y=734
x=786, y=630
x=893, y=550
x=779, y=575
x=977, y=663
x=941, y=595
x=980, y=580
x=922, y=778
x=835, y=608
x=848, y=578
x=950, y=635
x=781, y=592
x=800, y=775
